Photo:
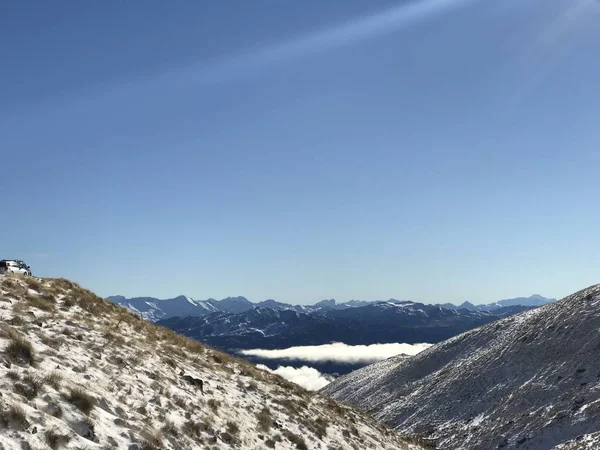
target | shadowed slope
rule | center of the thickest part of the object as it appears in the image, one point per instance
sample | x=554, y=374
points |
x=530, y=381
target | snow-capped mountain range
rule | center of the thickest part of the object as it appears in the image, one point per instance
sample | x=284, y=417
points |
x=155, y=309
x=374, y=323
x=529, y=381
x=78, y=372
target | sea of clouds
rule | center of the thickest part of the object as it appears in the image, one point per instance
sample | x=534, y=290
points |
x=310, y=378
x=339, y=352
x=307, y=377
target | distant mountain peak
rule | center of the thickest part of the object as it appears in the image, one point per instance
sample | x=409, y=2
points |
x=326, y=303
x=155, y=309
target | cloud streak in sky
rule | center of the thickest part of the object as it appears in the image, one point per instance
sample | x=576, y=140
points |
x=339, y=352
x=304, y=376
x=363, y=28
x=320, y=41
x=256, y=61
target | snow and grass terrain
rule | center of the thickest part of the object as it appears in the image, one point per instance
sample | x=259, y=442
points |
x=78, y=372
x=530, y=381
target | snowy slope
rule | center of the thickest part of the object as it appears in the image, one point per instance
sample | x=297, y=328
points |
x=78, y=372
x=530, y=381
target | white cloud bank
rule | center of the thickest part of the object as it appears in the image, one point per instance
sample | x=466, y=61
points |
x=339, y=352
x=304, y=376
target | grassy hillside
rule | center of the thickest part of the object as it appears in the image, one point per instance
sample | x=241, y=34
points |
x=79, y=372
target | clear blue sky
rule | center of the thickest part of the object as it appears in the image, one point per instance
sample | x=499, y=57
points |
x=432, y=150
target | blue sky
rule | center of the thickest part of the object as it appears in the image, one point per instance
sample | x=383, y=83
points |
x=432, y=150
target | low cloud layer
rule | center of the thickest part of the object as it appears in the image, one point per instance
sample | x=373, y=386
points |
x=339, y=352
x=307, y=377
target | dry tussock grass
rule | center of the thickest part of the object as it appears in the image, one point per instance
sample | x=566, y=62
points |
x=151, y=440
x=265, y=420
x=29, y=387
x=45, y=302
x=19, y=349
x=55, y=439
x=295, y=439
x=16, y=414
x=53, y=379
x=81, y=399
x=194, y=429
x=170, y=428
x=33, y=283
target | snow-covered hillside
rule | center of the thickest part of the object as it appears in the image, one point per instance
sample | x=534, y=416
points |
x=530, y=381
x=78, y=372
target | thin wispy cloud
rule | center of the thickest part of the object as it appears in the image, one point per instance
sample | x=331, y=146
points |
x=542, y=53
x=307, y=377
x=340, y=35
x=258, y=60
x=339, y=352
x=565, y=22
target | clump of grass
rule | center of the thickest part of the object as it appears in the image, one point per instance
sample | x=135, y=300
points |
x=142, y=409
x=17, y=320
x=63, y=284
x=180, y=401
x=290, y=405
x=170, y=428
x=232, y=428
x=192, y=428
x=253, y=385
x=335, y=407
x=43, y=302
x=82, y=400
x=9, y=284
x=33, y=283
x=152, y=440
x=52, y=341
x=17, y=415
x=295, y=439
x=54, y=379
x=68, y=302
x=55, y=439
x=56, y=411
x=320, y=427
x=114, y=338
x=265, y=420
x=171, y=363
x=214, y=404
x=29, y=387
x=20, y=350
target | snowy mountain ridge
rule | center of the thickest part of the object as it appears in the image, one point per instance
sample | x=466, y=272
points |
x=375, y=323
x=79, y=372
x=155, y=309
x=529, y=381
